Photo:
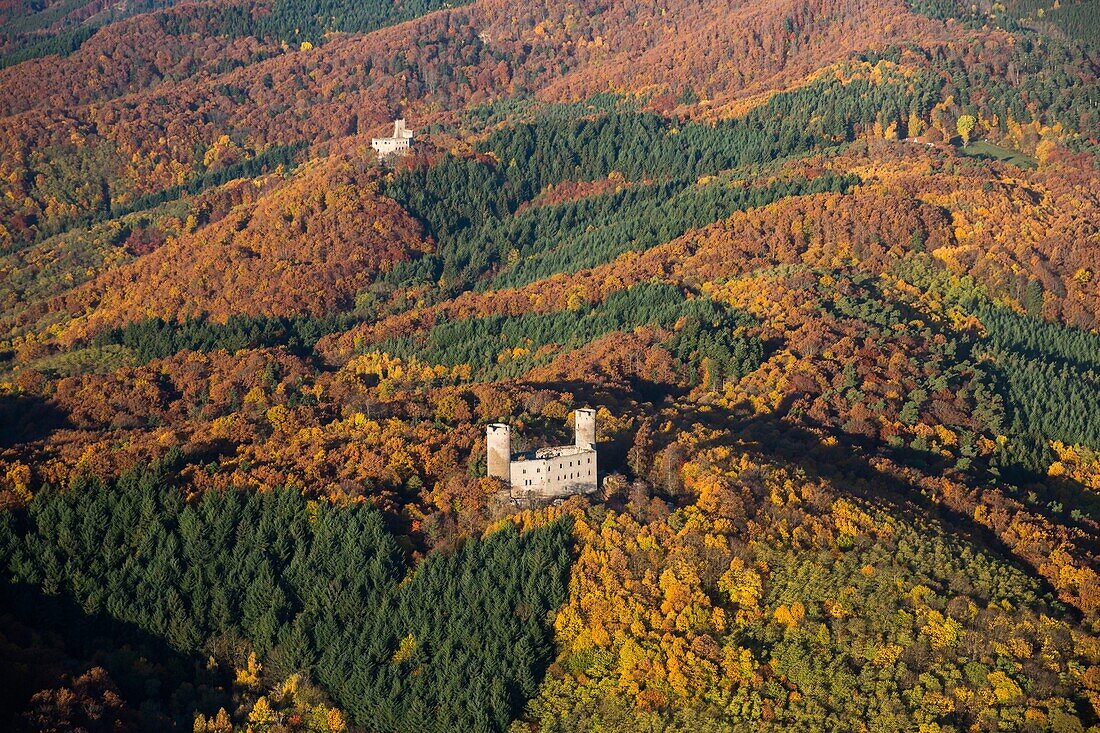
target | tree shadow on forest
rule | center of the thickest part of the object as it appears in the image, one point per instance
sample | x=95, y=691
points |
x=614, y=448
x=844, y=463
x=26, y=418
x=846, y=466
x=47, y=641
x=208, y=450
x=1055, y=497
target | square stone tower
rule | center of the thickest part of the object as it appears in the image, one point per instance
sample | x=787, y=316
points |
x=498, y=447
x=584, y=423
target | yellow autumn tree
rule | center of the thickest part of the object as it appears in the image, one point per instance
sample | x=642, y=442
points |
x=262, y=715
x=965, y=125
x=250, y=675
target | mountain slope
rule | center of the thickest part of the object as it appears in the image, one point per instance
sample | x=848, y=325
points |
x=826, y=269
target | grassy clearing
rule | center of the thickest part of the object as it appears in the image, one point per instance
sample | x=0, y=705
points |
x=986, y=149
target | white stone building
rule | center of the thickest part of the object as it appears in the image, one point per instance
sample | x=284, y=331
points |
x=546, y=473
x=399, y=144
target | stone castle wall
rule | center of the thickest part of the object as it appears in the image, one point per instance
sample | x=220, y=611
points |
x=547, y=473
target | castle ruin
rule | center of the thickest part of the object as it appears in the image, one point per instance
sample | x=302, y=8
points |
x=399, y=144
x=546, y=473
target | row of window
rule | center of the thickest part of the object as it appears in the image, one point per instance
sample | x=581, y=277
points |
x=529, y=482
x=560, y=465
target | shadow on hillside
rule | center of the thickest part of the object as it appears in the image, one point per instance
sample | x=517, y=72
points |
x=27, y=418
x=643, y=395
x=1056, y=497
x=844, y=464
x=46, y=641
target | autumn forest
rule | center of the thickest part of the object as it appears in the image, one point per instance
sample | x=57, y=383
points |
x=828, y=271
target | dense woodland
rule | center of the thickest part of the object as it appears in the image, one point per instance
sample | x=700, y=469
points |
x=306, y=587
x=828, y=271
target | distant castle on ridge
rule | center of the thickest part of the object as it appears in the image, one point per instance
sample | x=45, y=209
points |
x=399, y=144
x=546, y=473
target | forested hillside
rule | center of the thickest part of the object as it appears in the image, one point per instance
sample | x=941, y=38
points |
x=829, y=271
